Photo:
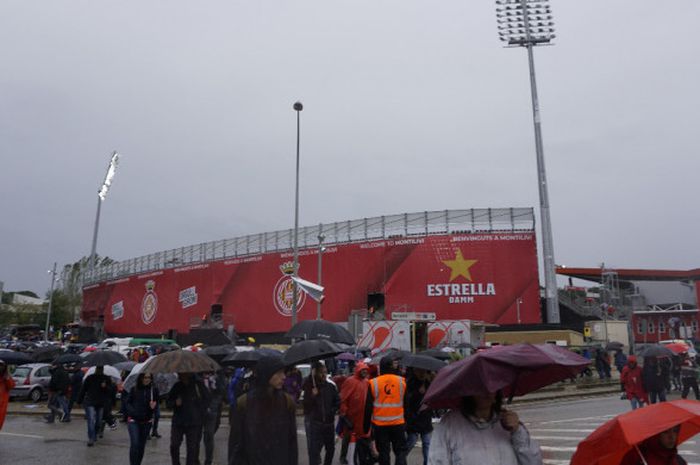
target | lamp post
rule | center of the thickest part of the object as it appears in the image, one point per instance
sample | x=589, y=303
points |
x=48, y=313
x=321, y=249
x=295, y=289
x=528, y=23
x=101, y=196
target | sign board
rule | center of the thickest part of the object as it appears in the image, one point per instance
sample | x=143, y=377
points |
x=413, y=316
x=587, y=331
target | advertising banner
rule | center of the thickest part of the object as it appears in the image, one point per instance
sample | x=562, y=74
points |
x=454, y=277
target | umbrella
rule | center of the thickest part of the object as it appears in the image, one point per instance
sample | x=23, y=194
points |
x=125, y=366
x=66, y=359
x=163, y=381
x=347, y=356
x=248, y=358
x=46, y=354
x=320, y=329
x=614, y=345
x=109, y=370
x=104, y=357
x=309, y=351
x=436, y=353
x=218, y=353
x=11, y=357
x=394, y=353
x=656, y=350
x=422, y=361
x=677, y=347
x=608, y=444
x=516, y=370
x=180, y=361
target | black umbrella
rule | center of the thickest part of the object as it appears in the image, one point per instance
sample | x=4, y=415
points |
x=320, y=329
x=125, y=366
x=614, y=345
x=219, y=353
x=46, y=354
x=180, y=361
x=395, y=354
x=656, y=350
x=104, y=357
x=11, y=357
x=309, y=351
x=436, y=353
x=422, y=361
x=69, y=358
x=248, y=358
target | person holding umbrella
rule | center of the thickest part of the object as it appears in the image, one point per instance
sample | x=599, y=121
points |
x=140, y=405
x=189, y=399
x=6, y=385
x=419, y=423
x=264, y=428
x=481, y=432
x=657, y=450
x=94, y=394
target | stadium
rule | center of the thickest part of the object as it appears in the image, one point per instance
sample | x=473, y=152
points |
x=471, y=264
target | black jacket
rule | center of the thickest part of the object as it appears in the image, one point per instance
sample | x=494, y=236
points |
x=417, y=421
x=96, y=391
x=195, y=402
x=59, y=380
x=138, y=402
x=323, y=406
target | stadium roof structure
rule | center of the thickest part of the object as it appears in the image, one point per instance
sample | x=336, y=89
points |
x=631, y=274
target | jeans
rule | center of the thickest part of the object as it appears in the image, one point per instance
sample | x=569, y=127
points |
x=412, y=439
x=193, y=436
x=156, y=419
x=661, y=395
x=363, y=452
x=636, y=403
x=209, y=429
x=138, y=432
x=390, y=438
x=94, y=419
x=344, y=445
x=322, y=436
x=57, y=405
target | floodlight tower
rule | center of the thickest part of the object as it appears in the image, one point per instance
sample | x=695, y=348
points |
x=528, y=23
x=101, y=196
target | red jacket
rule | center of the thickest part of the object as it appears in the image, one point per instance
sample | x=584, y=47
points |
x=353, y=396
x=631, y=379
x=6, y=386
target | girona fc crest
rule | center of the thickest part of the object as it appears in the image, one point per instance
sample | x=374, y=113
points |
x=283, y=294
x=149, y=304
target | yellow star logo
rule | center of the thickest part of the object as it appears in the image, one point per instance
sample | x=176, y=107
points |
x=459, y=266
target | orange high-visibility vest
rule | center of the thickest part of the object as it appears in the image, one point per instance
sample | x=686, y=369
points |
x=388, y=392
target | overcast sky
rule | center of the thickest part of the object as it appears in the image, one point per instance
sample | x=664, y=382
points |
x=409, y=105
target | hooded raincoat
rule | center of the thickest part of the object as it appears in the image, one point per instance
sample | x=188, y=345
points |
x=6, y=385
x=353, y=397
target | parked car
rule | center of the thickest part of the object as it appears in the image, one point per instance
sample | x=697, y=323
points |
x=31, y=381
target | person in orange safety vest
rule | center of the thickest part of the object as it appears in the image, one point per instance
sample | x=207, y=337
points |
x=386, y=395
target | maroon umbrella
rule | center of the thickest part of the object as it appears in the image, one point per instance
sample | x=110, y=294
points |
x=515, y=370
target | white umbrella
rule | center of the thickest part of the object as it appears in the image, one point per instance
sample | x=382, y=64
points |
x=163, y=381
x=109, y=370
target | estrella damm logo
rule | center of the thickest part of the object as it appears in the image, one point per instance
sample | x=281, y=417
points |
x=149, y=304
x=283, y=293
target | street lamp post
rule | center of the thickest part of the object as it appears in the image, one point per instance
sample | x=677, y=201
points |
x=48, y=313
x=528, y=23
x=321, y=249
x=295, y=289
x=101, y=196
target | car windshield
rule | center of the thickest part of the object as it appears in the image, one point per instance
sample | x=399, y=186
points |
x=21, y=372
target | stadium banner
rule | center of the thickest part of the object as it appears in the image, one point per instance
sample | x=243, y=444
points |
x=489, y=277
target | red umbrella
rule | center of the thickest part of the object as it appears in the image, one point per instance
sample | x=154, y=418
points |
x=515, y=370
x=677, y=347
x=608, y=444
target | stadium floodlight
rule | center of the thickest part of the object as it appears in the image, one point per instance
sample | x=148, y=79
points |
x=48, y=311
x=321, y=249
x=101, y=196
x=529, y=23
x=298, y=107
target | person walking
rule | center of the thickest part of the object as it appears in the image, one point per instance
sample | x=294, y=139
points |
x=481, y=432
x=94, y=393
x=654, y=378
x=58, y=387
x=189, y=400
x=620, y=360
x=6, y=385
x=689, y=377
x=419, y=423
x=322, y=400
x=661, y=449
x=76, y=382
x=140, y=405
x=264, y=428
x=353, y=398
x=386, y=395
x=212, y=419
x=602, y=364
x=631, y=379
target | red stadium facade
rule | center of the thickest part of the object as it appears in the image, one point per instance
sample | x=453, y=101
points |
x=482, y=273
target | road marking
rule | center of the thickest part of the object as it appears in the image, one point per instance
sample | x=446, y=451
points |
x=570, y=420
x=33, y=436
x=545, y=430
x=557, y=438
x=558, y=449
